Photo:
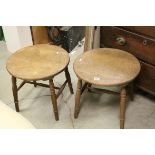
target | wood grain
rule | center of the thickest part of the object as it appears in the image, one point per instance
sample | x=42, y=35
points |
x=39, y=35
x=77, y=98
x=53, y=98
x=122, y=107
x=37, y=62
x=107, y=67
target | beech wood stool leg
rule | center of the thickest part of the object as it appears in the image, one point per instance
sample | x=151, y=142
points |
x=122, y=107
x=89, y=86
x=35, y=83
x=69, y=80
x=77, y=98
x=15, y=93
x=131, y=91
x=54, y=100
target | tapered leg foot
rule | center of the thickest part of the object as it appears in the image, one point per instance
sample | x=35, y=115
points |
x=69, y=80
x=77, y=98
x=15, y=93
x=54, y=100
x=122, y=107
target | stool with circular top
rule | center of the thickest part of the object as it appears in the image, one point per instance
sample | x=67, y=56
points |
x=39, y=62
x=106, y=67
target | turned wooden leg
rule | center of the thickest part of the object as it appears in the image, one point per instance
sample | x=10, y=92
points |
x=131, y=91
x=15, y=93
x=35, y=83
x=122, y=107
x=69, y=80
x=89, y=85
x=77, y=98
x=54, y=100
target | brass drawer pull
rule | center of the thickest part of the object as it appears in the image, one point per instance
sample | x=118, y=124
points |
x=120, y=41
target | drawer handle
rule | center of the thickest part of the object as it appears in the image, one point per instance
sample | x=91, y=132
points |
x=120, y=41
x=145, y=42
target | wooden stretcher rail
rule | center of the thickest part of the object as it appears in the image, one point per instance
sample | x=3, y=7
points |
x=61, y=89
x=35, y=83
x=100, y=91
x=21, y=85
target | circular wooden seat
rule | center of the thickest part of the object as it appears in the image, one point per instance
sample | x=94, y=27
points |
x=107, y=67
x=37, y=62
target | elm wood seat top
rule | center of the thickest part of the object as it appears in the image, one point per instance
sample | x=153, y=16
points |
x=37, y=62
x=106, y=67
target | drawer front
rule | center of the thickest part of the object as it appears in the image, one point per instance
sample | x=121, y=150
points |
x=140, y=46
x=146, y=78
x=143, y=30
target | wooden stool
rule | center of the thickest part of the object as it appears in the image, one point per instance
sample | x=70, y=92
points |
x=105, y=67
x=39, y=62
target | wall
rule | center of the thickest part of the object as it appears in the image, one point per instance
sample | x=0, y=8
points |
x=17, y=37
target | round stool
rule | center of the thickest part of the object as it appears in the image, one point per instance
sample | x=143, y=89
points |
x=39, y=62
x=106, y=67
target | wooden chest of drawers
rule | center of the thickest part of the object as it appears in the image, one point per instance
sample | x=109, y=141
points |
x=138, y=40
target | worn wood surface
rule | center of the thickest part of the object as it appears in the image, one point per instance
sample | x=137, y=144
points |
x=37, y=62
x=107, y=67
x=39, y=35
